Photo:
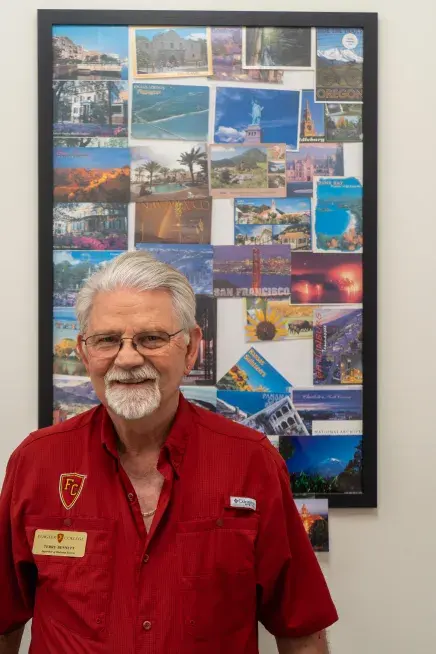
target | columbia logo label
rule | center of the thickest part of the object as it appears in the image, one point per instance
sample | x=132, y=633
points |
x=243, y=503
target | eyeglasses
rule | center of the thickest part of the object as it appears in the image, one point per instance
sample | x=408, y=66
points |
x=106, y=346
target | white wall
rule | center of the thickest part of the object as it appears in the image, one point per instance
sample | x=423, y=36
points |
x=381, y=570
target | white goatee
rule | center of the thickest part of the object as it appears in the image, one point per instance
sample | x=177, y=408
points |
x=130, y=400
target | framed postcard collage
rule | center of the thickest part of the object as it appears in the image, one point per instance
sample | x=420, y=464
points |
x=242, y=150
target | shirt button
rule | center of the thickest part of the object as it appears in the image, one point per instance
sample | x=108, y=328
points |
x=219, y=522
x=146, y=625
x=130, y=497
x=67, y=522
x=146, y=559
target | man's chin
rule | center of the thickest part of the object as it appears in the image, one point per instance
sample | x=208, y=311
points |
x=132, y=408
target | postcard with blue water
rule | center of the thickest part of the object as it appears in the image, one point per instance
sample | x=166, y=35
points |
x=330, y=412
x=337, y=345
x=253, y=373
x=166, y=111
x=338, y=223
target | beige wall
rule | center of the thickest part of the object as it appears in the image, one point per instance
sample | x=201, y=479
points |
x=381, y=569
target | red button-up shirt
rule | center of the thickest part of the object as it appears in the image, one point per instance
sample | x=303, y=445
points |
x=196, y=583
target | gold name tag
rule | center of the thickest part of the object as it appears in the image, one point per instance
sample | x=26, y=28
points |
x=60, y=543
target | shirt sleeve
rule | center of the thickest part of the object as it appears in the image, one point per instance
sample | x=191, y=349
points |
x=16, y=570
x=293, y=598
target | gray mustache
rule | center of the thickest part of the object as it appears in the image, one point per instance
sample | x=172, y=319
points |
x=137, y=376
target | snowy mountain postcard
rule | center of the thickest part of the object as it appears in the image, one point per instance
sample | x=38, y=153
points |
x=339, y=65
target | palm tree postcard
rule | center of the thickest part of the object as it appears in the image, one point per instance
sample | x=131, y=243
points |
x=339, y=65
x=66, y=359
x=332, y=412
x=245, y=170
x=173, y=221
x=337, y=345
x=171, y=52
x=252, y=372
x=169, y=111
x=173, y=170
x=276, y=319
x=288, y=48
x=90, y=108
x=314, y=514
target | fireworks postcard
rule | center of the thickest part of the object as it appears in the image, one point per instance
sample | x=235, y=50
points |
x=323, y=464
x=90, y=108
x=287, y=48
x=171, y=170
x=319, y=278
x=343, y=123
x=253, y=116
x=337, y=346
x=203, y=396
x=338, y=220
x=243, y=271
x=91, y=175
x=90, y=226
x=339, y=65
x=173, y=221
x=227, y=59
x=167, y=111
x=312, y=127
x=66, y=359
x=330, y=412
x=314, y=514
x=253, y=373
x=193, y=261
x=273, y=414
x=313, y=159
x=276, y=319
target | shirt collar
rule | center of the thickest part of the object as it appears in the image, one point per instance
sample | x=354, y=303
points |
x=175, y=443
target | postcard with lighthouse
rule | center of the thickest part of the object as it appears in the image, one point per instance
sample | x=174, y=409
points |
x=339, y=65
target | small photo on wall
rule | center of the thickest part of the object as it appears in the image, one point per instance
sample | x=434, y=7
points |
x=288, y=48
x=331, y=412
x=312, y=127
x=339, y=64
x=338, y=224
x=343, y=123
x=326, y=278
x=252, y=372
x=90, y=142
x=173, y=221
x=202, y=396
x=90, y=226
x=276, y=319
x=314, y=515
x=71, y=396
x=90, y=52
x=337, y=346
x=313, y=159
x=204, y=369
x=171, y=52
x=90, y=108
x=66, y=358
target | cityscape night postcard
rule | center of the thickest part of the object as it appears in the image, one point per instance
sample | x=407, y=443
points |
x=253, y=373
x=337, y=346
x=330, y=412
x=321, y=279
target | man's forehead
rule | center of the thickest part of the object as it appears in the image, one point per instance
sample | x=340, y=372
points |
x=127, y=303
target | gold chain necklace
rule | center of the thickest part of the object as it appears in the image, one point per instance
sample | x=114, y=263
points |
x=148, y=514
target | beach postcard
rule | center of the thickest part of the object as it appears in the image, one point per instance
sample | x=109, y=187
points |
x=330, y=412
x=338, y=220
x=71, y=268
x=167, y=111
x=254, y=373
x=240, y=170
x=312, y=127
x=276, y=319
x=313, y=159
x=203, y=372
x=171, y=170
x=339, y=64
x=193, y=261
x=90, y=52
x=91, y=175
x=314, y=514
x=202, y=396
x=246, y=271
x=66, y=358
x=337, y=346
x=227, y=59
x=171, y=52
x=173, y=221
x=286, y=48
x=90, y=226
x=319, y=278
x=273, y=414
x=90, y=108
x=249, y=116
x=71, y=396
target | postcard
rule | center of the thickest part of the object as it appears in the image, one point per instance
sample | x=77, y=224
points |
x=314, y=515
x=343, y=123
x=314, y=159
x=253, y=373
x=193, y=261
x=270, y=413
x=288, y=48
x=243, y=271
x=276, y=319
x=339, y=65
x=312, y=127
x=337, y=346
x=66, y=359
x=165, y=111
x=90, y=226
x=253, y=234
x=171, y=52
x=323, y=464
x=238, y=170
x=338, y=224
x=330, y=412
x=90, y=108
x=71, y=268
x=171, y=170
x=326, y=278
x=71, y=396
x=204, y=369
x=252, y=116
x=90, y=52
x=204, y=397
x=287, y=221
x=90, y=142
x=173, y=221
x=227, y=59
x=91, y=175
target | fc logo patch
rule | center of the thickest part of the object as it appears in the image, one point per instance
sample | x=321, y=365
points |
x=70, y=487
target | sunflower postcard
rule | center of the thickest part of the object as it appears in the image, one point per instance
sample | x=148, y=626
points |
x=276, y=319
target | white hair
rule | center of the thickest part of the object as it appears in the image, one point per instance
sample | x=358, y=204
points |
x=140, y=271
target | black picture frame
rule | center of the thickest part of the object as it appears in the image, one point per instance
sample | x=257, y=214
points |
x=47, y=18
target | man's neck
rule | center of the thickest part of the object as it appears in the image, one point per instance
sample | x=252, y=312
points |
x=147, y=434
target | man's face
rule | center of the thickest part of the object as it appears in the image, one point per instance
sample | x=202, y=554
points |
x=132, y=384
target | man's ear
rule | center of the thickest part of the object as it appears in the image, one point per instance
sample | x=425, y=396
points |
x=81, y=349
x=195, y=336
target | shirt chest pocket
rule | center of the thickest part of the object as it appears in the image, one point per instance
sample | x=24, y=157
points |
x=73, y=591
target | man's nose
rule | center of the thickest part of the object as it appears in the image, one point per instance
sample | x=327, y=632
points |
x=128, y=356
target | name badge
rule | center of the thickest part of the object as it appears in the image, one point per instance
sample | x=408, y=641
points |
x=243, y=503
x=60, y=543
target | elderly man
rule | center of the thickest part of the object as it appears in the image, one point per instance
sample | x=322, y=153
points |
x=148, y=525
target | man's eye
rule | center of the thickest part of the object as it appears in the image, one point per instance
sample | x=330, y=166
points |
x=106, y=340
